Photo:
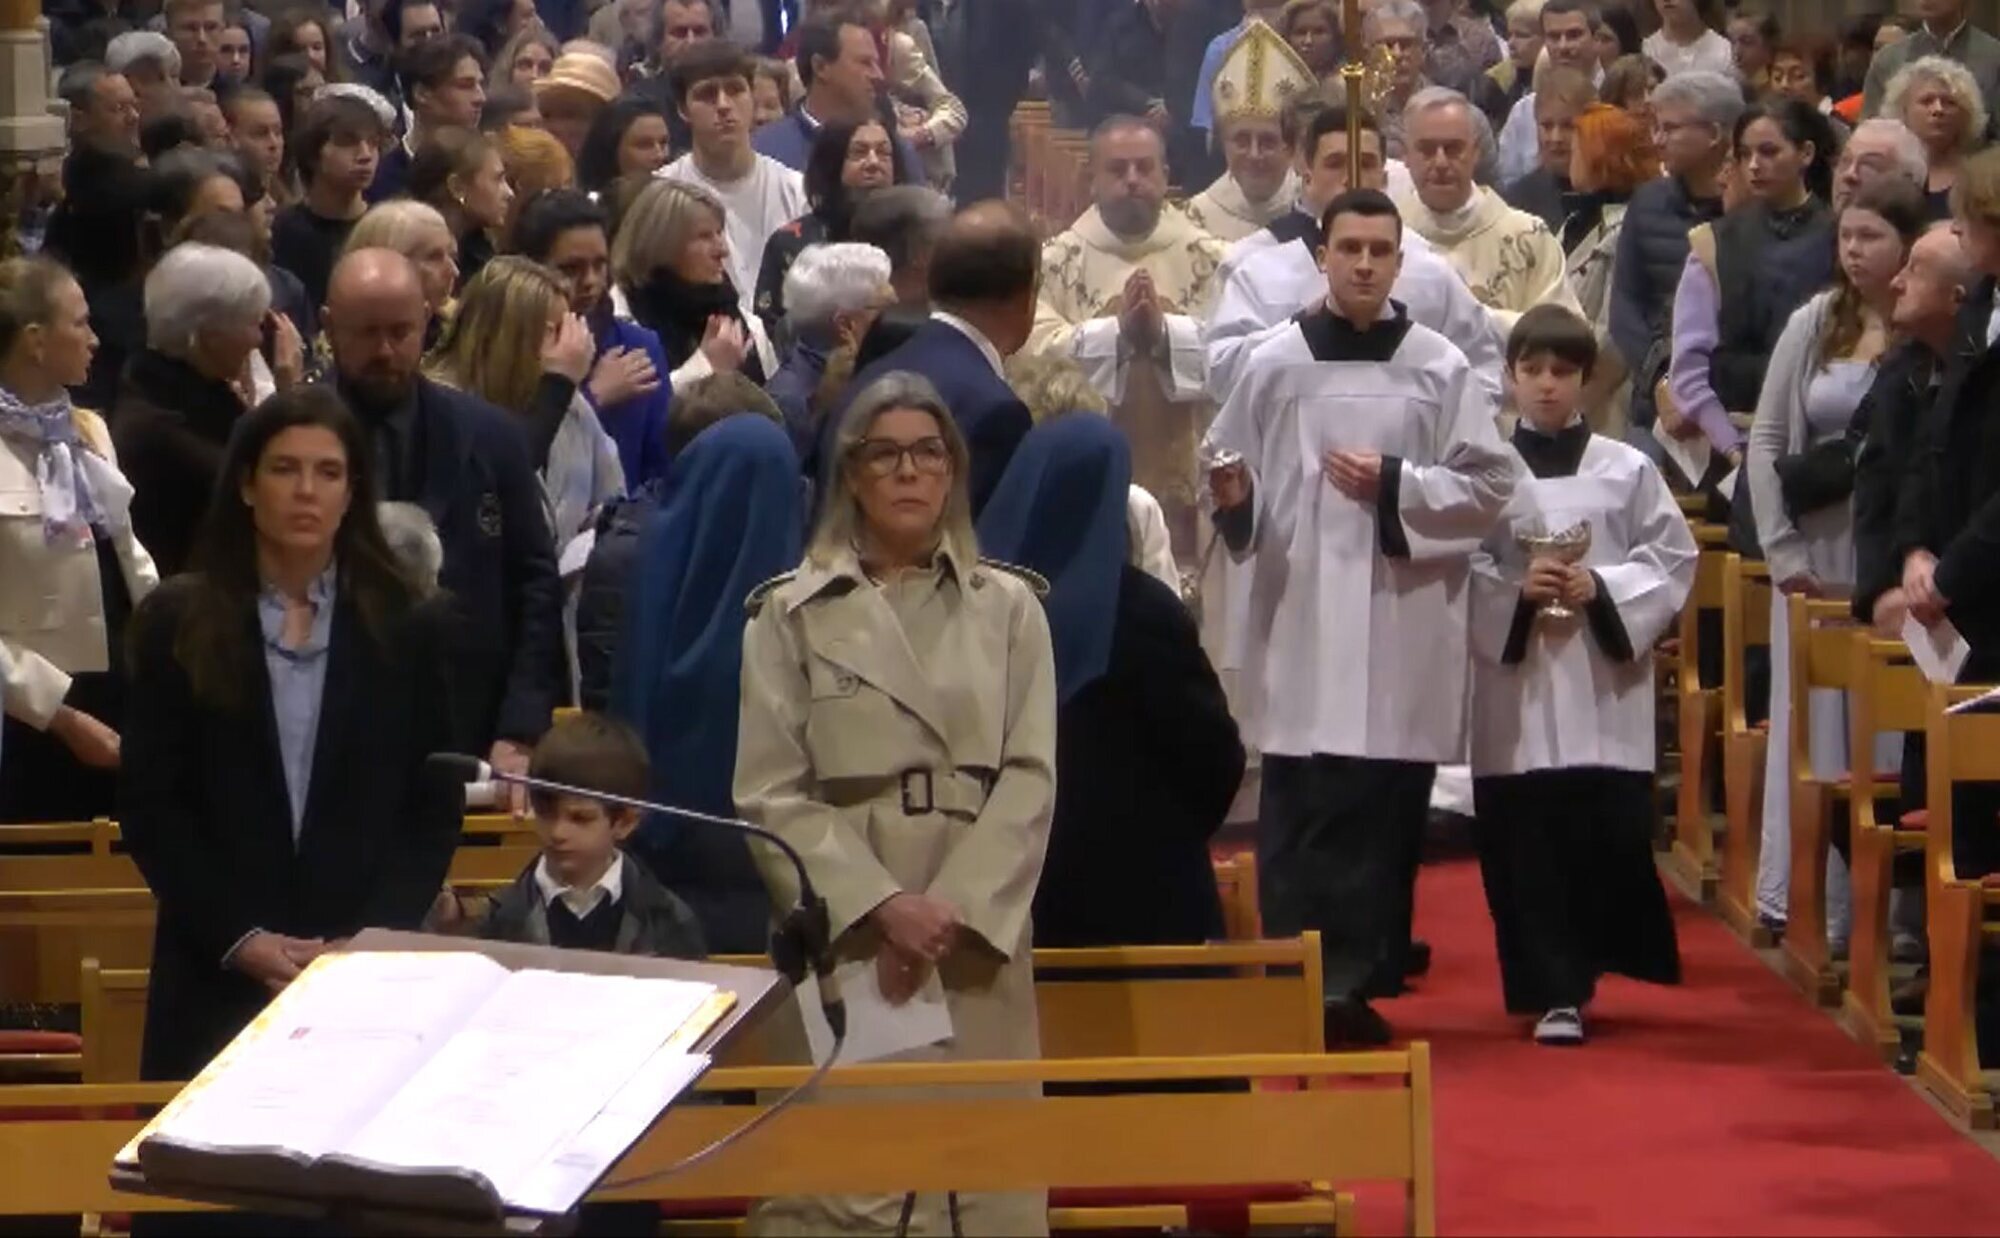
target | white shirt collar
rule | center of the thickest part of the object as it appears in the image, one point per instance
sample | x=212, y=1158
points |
x=978, y=338
x=581, y=900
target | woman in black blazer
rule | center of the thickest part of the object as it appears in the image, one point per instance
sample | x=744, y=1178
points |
x=284, y=696
x=1147, y=756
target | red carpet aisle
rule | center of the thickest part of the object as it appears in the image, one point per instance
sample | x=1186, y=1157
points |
x=1726, y=1106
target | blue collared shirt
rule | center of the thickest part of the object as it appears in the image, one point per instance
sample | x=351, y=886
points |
x=298, y=682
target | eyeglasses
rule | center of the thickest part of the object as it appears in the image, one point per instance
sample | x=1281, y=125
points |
x=882, y=457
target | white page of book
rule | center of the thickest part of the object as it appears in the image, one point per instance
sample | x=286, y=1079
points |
x=559, y=1182
x=334, y=1047
x=528, y=1070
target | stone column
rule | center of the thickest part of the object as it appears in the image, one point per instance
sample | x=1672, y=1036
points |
x=32, y=137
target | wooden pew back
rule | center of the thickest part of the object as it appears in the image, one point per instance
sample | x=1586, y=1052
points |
x=1746, y=624
x=1359, y=1117
x=1959, y=748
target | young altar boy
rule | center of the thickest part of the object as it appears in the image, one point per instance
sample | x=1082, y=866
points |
x=1563, y=748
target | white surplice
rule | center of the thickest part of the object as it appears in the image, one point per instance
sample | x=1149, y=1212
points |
x=1272, y=274
x=1568, y=702
x=1357, y=610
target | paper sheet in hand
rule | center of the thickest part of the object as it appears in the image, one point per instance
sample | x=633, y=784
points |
x=1940, y=652
x=875, y=1028
x=1690, y=455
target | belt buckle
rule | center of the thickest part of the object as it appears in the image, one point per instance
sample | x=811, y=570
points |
x=929, y=805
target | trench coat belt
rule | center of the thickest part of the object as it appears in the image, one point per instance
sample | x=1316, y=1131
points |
x=922, y=792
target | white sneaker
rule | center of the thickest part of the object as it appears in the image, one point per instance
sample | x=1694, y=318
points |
x=1561, y=1026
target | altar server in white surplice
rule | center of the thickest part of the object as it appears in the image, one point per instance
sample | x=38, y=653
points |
x=1370, y=470
x=1271, y=275
x=1563, y=746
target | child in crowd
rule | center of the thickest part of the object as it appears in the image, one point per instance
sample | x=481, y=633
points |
x=1563, y=748
x=585, y=893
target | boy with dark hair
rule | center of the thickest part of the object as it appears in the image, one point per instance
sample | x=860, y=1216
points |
x=760, y=194
x=1590, y=562
x=584, y=893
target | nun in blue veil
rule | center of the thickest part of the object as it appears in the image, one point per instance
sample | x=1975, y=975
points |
x=1147, y=755
x=732, y=518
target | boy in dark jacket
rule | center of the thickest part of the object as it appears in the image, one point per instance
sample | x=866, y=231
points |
x=585, y=893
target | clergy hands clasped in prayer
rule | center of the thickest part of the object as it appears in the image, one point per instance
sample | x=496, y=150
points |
x=1550, y=580
x=918, y=931
x=1356, y=474
x=1142, y=320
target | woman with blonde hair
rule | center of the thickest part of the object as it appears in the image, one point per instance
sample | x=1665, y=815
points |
x=461, y=174
x=67, y=550
x=1612, y=155
x=515, y=344
x=525, y=58
x=1940, y=101
x=420, y=234
x=898, y=727
x=671, y=259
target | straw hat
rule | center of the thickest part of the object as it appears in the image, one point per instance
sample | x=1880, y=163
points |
x=583, y=73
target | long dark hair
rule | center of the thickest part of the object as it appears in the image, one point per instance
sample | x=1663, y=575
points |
x=829, y=198
x=223, y=589
x=597, y=160
x=1800, y=123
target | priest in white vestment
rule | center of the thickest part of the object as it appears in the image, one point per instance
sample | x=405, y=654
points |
x=1253, y=93
x=1509, y=258
x=1358, y=466
x=1123, y=294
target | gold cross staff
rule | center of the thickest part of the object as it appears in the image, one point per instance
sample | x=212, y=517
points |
x=1353, y=75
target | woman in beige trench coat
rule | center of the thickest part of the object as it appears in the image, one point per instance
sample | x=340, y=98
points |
x=898, y=728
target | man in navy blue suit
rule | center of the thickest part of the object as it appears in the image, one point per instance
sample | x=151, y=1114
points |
x=468, y=465
x=985, y=273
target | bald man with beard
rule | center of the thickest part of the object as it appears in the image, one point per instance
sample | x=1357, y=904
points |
x=467, y=464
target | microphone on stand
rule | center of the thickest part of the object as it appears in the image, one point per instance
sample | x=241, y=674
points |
x=803, y=939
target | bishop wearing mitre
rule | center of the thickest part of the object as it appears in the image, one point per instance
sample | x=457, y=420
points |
x=1124, y=292
x=1259, y=77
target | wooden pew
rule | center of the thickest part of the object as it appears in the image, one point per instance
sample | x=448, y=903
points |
x=1886, y=694
x=1236, y=883
x=1249, y=997
x=1959, y=910
x=1357, y=1117
x=1698, y=705
x=1822, y=656
x=1746, y=625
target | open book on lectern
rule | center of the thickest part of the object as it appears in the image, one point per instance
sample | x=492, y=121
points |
x=442, y=1082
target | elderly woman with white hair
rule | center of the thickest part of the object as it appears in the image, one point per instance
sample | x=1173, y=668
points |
x=178, y=399
x=1939, y=100
x=833, y=294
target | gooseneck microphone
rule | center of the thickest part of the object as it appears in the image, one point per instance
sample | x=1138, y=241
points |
x=801, y=942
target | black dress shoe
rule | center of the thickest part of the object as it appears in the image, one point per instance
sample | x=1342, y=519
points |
x=1418, y=961
x=1353, y=1024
